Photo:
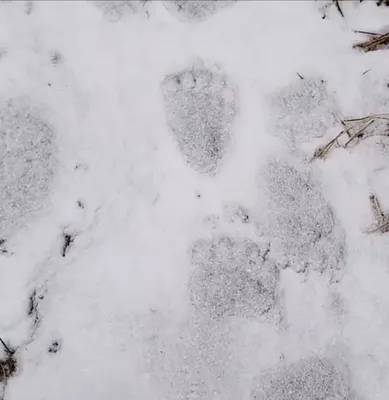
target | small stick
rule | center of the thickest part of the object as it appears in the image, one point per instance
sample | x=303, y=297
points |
x=368, y=33
x=338, y=7
x=6, y=347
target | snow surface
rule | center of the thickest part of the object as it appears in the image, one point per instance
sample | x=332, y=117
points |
x=244, y=272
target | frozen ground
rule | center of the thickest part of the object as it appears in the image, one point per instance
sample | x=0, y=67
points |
x=163, y=232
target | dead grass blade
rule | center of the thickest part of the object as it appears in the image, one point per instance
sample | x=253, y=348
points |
x=359, y=133
x=367, y=118
x=322, y=152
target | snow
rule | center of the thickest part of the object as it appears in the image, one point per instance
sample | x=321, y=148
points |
x=112, y=314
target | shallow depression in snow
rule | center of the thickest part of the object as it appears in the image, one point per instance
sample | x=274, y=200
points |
x=28, y=153
x=200, y=106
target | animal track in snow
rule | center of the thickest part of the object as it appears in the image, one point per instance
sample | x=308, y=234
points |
x=28, y=160
x=232, y=277
x=300, y=221
x=309, y=378
x=116, y=10
x=200, y=106
x=232, y=274
x=195, y=10
x=303, y=111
